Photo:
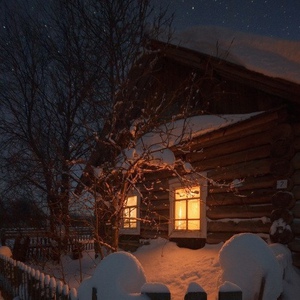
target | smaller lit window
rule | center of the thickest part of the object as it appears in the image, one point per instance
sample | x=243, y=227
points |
x=130, y=213
x=130, y=223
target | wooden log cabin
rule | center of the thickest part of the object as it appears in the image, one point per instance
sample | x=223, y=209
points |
x=249, y=170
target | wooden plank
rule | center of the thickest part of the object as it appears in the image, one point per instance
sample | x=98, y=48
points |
x=295, y=245
x=218, y=237
x=249, y=185
x=296, y=259
x=296, y=161
x=255, y=226
x=297, y=143
x=296, y=177
x=296, y=226
x=233, y=158
x=296, y=192
x=296, y=210
x=239, y=212
x=241, y=170
x=239, y=144
x=296, y=129
x=231, y=133
x=260, y=196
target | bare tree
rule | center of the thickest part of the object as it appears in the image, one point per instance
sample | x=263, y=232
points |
x=62, y=65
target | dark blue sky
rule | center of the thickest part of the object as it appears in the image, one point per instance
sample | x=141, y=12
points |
x=277, y=18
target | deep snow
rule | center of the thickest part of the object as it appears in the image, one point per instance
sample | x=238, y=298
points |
x=244, y=260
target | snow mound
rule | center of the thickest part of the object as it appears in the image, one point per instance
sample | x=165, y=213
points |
x=118, y=276
x=246, y=260
x=291, y=278
x=5, y=251
x=269, y=56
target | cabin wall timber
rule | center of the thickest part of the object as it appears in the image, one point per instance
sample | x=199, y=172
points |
x=261, y=152
x=295, y=189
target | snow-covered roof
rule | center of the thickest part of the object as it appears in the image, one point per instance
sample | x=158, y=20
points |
x=266, y=55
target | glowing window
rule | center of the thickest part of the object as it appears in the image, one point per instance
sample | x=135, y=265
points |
x=187, y=208
x=130, y=213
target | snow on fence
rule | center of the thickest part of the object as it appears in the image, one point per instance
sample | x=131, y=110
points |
x=20, y=280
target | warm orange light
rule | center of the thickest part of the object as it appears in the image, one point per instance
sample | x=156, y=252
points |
x=130, y=213
x=187, y=208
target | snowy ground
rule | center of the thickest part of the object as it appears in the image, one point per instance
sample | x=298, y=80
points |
x=175, y=267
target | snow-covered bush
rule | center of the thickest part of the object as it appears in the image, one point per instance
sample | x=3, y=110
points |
x=118, y=276
x=246, y=260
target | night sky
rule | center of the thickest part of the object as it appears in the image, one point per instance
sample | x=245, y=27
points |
x=277, y=18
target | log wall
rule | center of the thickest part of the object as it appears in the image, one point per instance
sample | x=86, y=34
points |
x=258, y=154
x=294, y=245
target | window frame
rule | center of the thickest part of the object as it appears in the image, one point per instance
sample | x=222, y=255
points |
x=137, y=229
x=175, y=184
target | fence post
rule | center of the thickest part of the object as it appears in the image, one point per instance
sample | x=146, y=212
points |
x=156, y=291
x=195, y=292
x=230, y=291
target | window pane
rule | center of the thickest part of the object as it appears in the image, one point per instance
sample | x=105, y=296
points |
x=180, y=209
x=180, y=225
x=131, y=201
x=194, y=209
x=187, y=193
x=194, y=225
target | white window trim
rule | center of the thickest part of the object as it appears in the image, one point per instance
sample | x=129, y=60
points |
x=137, y=230
x=175, y=184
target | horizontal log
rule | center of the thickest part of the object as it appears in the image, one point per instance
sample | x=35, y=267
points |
x=154, y=182
x=296, y=259
x=260, y=196
x=283, y=199
x=296, y=177
x=281, y=168
x=296, y=129
x=156, y=206
x=284, y=214
x=239, y=212
x=246, y=128
x=255, y=226
x=296, y=192
x=296, y=210
x=241, y=170
x=149, y=234
x=218, y=237
x=155, y=195
x=282, y=131
x=294, y=245
x=296, y=227
x=233, y=158
x=237, y=145
x=283, y=147
x=249, y=185
x=297, y=143
x=296, y=161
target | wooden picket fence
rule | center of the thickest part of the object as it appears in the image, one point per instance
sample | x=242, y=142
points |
x=18, y=279
x=39, y=246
